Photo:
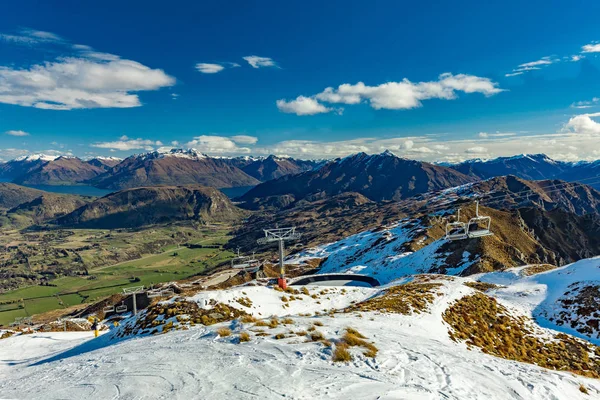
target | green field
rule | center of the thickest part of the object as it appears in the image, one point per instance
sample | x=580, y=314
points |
x=173, y=263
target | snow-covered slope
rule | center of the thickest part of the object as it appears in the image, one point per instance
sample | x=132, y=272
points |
x=385, y=254
x=416, y=358
x=565, y=299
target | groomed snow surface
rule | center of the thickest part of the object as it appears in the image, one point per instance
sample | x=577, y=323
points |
x=416, y=358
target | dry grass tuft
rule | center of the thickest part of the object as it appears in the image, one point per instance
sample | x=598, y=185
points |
x=224, y=332
x=279, y=336
x=583, y=389
x=244, y=337
x=316, y=336
x=287, y=321
x=341, y=353
x=247, y=319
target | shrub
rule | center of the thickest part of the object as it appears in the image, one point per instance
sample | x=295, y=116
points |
x=583, y=389
x=316, y=336
x=305, y=291
x=280, y=336
x=318, y=323
x=224, y=332
x=287, y=321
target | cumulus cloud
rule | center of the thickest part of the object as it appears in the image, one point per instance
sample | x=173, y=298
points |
x=591, y=48
x=260, y=62
x=222, y=145
x=302, y=106
x=206, y=68
x=391, y=95
x=584, y=124
x=124, y=144
x=17, y=133
x=86, y=79
x=244, y=139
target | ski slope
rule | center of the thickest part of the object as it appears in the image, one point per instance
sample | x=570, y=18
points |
x=416, y=359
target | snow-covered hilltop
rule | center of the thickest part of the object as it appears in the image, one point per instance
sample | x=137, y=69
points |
x=291, y=344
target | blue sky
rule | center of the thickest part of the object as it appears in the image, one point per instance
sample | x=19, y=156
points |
x=428, y=81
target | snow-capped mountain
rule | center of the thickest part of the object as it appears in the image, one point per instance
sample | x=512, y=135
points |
x=173, y=167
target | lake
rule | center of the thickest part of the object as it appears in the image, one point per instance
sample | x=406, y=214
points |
x=81, y=190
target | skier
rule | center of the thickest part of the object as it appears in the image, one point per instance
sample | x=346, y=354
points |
x=95, y=327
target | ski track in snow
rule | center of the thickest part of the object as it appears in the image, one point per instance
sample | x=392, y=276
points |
x=416, y=360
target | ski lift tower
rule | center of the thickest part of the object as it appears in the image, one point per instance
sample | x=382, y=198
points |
x=134, y=291
x=280, y=235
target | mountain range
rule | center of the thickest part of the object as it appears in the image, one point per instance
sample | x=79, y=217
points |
x=173, y=167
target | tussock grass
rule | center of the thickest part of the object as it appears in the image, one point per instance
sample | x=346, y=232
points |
x=316, y=336
x=224, y=332
x=583, y=389
x=403, y=299
x=279, y=336
x=481, y=322
x=244, y=337
x=317, y=323
x=245, y=301
x=287, y=321
x=482, y=286
x=247, y=319
x=341, y=353
x=536, y=269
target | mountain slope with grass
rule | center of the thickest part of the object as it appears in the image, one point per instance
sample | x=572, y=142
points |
x=61, y=171
x=378, y=177
x=154, y=205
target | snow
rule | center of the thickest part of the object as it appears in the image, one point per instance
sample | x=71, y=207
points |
x=382, y=254
x=416, y=360
x=538, y=295
x=36, y=157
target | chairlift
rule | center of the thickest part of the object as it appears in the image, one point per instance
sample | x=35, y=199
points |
x=480, y=223
x=121, y=308
x=167, y=292
x=457, y=230
x=108, y=309
x=153, y=293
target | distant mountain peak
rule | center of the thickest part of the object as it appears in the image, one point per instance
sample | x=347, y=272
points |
x=36, y=157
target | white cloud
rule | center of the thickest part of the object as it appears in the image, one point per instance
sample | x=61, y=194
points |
x=302, y=106
x=244, y=139
x=514, y=73
x=577, y=57
x=17, y=133
x=260, y=62
x=497, y=134
x=206, y=68
x=584, y=124
x=391, y=95
x=476, y=150
x=212, y=144
x=125, y=144
x=591, y=48
x=86, y=79
x=541, y=62
x=31, y=37
x=441, y=147
x=586, y=104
